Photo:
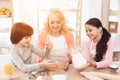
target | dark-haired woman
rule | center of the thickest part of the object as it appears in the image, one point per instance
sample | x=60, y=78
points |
x=99, y=49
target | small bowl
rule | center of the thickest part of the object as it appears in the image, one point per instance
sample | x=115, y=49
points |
x=59, y=75
x=113, y=66
x=39, y=78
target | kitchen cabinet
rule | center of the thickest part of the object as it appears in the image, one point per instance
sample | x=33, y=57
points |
x=6, y=21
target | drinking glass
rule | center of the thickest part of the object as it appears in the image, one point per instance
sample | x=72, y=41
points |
x=8, y=69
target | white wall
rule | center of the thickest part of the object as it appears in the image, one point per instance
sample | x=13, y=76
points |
x=25, y=11
x=5, y=3
x=90, y=8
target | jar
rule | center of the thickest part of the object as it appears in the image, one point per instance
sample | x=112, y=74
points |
x=78, y=59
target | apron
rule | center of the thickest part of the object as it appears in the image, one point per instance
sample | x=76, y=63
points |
x=59, y=46
x=58, y=42
x=59, y=51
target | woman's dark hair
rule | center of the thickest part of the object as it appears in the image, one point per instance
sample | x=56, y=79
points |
x=101, y=46
x=20, y=30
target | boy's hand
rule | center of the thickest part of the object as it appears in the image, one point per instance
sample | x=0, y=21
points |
x=48, y=64
x=49, y=45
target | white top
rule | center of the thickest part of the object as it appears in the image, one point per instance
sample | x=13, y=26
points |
x=59, y=51
x=58, y=42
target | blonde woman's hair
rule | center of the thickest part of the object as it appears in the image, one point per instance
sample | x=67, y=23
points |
x=61, y=16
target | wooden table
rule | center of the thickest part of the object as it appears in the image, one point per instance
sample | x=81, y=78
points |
x=73, y=74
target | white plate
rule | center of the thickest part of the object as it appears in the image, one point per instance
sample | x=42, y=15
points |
x=113, y=66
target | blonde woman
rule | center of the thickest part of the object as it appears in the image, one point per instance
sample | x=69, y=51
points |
x=56, y=30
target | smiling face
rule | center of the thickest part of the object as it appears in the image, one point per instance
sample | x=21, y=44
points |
x=25, y=41
x=92, y=32
x=55, y=24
